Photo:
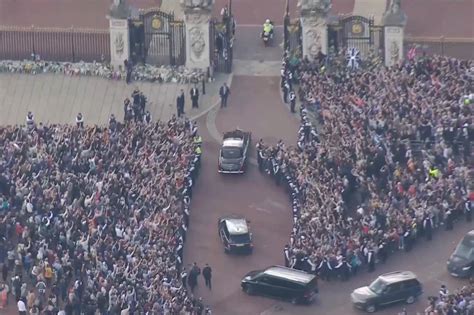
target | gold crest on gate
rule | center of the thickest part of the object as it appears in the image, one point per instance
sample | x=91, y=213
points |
x=156, y=23
x=357, y=28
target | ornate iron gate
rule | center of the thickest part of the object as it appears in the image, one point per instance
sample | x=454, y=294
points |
x=221, y=43
x=355, y=32
x=159, y=39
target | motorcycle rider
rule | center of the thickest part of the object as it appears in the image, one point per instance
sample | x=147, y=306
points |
x=268, y=28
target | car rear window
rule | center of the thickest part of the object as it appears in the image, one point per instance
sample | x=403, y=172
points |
x=231, y=153
x=241, y=238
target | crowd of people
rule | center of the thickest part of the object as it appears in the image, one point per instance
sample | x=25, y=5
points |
x=93, y=219
x=384, y=158
x=458, y=302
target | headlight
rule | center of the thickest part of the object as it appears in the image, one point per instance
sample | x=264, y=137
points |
x=247, y=278
x=466, y=268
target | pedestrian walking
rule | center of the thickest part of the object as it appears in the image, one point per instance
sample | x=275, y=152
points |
x=180, y=103
x=207, y=274
x=194, y=97
x=193, y=276
x=224, y=93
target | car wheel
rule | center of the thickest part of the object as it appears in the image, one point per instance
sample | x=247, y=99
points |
x=226, y=251
x=370, y=308
x=410, y=299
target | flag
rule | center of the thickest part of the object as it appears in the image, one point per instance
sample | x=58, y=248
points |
x=411, y=53
x=353, y=58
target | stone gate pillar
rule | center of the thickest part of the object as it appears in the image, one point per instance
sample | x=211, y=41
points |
x=197, y=15
x=119, y=33
x=394, y=21
x=314, y=15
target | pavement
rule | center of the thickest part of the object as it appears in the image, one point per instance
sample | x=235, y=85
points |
x=55, y=98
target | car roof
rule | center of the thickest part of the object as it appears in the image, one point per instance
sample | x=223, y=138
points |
x=233, y=142
x=236, y=225
x=468, y=239
x=397, y=276
x=289, y=274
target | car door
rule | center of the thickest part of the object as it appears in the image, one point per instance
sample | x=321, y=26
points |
x=279, y=288
x=265, y=286
x=391, y=294
x=224, y=234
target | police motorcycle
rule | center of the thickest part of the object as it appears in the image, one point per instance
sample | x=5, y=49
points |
x=267, y=33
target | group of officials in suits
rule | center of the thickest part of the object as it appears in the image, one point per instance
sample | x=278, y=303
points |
x=224, y=92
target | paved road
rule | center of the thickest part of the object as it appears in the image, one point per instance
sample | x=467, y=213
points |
x=255, y=105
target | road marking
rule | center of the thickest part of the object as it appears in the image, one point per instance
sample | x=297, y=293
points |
x=276, y=204
x=255, y=207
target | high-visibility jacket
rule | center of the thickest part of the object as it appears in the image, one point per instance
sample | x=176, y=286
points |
x=434, y=172
x=198, y=150
x=267, y=27
x=198, y=140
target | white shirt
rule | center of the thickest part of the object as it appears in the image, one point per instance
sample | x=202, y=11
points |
x=21, y=306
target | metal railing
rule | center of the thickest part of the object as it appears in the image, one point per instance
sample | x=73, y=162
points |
x=459, y=47
x=54, y=44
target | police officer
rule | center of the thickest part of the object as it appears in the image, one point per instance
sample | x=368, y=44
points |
x=371, y=260
x=449, y=220
x=276, y=170
x=287, y=255
x=468, y=210
x=428, y=227
x=112, y=122
x=286, y=91
x=184, y=275
x=292, y=101
x=30, y=120
x=147, y=117
x=260, y=154
x=80, y=120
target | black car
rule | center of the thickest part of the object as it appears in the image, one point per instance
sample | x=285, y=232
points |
x=233, y=153
x=389, y=288
x=282, y=283
x=461, y=262
x=235, y=234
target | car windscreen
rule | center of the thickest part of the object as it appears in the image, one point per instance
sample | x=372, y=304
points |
x=240, y=238
x=377, y=286
x=464, y=250
x=231, y=153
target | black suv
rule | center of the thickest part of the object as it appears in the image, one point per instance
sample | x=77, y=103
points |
x=389, y=288
x=235, y=234
x=461, y=262
x=283, y=283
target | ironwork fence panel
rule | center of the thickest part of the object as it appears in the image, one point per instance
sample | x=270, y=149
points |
x=164, y=38
x=462, y=48
x=54, y=44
